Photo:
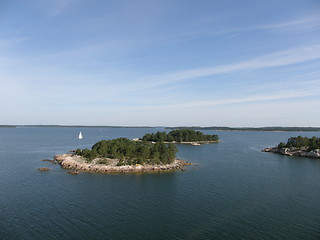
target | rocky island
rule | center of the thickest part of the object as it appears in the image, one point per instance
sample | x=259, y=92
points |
x=153, y=152
x=123, y=156
x=78, y=163
x=298, y=146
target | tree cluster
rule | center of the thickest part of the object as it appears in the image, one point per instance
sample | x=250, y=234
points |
x=180, y=135
x=130, y=152
x=301, y=142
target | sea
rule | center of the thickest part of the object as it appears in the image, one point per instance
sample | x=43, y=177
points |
x=232, y=190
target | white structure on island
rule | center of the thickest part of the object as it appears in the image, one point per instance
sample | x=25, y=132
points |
x=80, y=135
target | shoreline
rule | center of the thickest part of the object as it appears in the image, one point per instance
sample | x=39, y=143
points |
x=293, y=152
x=194, y=143
x=78, y=163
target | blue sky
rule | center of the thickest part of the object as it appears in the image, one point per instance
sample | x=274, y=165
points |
x=160, y=63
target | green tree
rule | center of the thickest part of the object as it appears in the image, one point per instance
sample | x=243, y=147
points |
x=172, y=150
x=281, y=145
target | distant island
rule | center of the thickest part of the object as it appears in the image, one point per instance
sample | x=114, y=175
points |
x=70, y=126
x=298, y=146
x=266, y=129
x=122, y=155
x=188, y=136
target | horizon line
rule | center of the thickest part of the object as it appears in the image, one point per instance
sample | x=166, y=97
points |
x=126, y=126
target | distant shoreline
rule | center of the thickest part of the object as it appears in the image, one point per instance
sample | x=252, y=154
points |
x=70, y=126
x=243, y=129
x=254, y=129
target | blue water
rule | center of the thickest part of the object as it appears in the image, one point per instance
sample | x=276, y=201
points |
x=233, y=190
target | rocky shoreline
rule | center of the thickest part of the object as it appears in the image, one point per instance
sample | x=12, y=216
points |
x=193, y=143
x=78, y=163
x=294, y=152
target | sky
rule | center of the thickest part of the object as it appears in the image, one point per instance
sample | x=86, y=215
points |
x=160, y=63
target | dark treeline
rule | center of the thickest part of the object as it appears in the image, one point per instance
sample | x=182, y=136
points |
x=130, y=152
x=301, y=142
x=180, y=135
x=285, y=129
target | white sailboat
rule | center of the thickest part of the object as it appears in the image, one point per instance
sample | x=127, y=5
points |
x=80, y=135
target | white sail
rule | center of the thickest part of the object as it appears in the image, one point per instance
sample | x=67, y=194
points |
x=80, y=135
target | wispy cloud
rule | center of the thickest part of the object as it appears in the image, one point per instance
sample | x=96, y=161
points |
x=56, y=7
x=280, y=95
x=132, y=85
x=298, y=24
x=277, y=59
x=315, y=21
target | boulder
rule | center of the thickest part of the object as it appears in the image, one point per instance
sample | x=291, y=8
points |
x=43, y=169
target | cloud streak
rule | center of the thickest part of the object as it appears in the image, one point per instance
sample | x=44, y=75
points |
x=315, y=21
x=277, y=59
x=300, y=24
x=57, y=7
x=165, y=82
x=283, y=95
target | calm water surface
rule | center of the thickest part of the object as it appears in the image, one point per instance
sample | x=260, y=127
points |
x=233, y=190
